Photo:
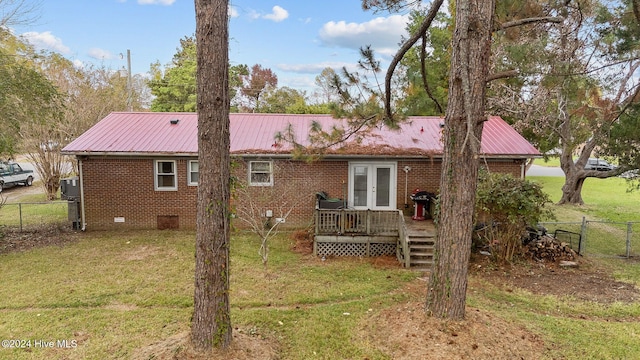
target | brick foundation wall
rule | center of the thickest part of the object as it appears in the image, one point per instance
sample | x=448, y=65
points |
x=124, y=188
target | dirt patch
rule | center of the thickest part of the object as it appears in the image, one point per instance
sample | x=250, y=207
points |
x=587, y=282
x=385, y=262
x=246, y=345
x=13, y=240
x=406, y=332
x=303, y=242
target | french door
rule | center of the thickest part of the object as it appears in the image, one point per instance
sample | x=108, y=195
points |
x=372, y=185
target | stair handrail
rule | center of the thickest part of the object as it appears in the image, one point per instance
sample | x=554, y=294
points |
x=403, y=238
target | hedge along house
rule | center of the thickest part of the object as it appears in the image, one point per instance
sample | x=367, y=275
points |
x=140, y=170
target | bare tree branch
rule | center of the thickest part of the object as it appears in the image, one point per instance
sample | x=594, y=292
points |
x=324, y=141
x=593, y=70
x=624, y=81
x=423, y=72
x=18, y=12
x=387, y=5
x=527, y=21
x=433, y=11
x=502, y=75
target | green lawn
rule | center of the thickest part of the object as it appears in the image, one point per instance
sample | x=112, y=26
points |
x=551, y=161
x=115, y=292
x=609, y=199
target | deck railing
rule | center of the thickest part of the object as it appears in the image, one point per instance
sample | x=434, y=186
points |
x=357, y=222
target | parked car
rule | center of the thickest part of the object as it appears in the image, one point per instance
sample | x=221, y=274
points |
x=631, y=174
x=598, y=164
x=12, y=174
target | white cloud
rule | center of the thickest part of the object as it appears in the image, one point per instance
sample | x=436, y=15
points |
x=100, y=54
x=253, y=14
x=233, y=12
x=298, y=82
x=46, y=41
x=277, y=14
x=315, y=68
x=78, y=64
x=382, y=33
x=156, y=2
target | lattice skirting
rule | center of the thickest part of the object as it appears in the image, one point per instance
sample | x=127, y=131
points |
x=354, y=249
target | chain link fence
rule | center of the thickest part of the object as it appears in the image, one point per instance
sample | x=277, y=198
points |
x=588, y=237
x=28, y=216
x=598, y=238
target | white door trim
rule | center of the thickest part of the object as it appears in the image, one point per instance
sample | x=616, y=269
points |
x=369, y=202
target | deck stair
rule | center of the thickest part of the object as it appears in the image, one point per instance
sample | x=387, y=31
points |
x=421, y=239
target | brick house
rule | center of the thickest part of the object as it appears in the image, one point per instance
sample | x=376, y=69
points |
x=140, y=170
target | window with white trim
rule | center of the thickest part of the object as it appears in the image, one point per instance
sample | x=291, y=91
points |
x=261, y=173
x=166, y=177
x=194, y=172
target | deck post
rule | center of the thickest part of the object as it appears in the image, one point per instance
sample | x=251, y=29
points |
x=629, y=234
x=407, y=256
x=404, y=241
x=315, y=247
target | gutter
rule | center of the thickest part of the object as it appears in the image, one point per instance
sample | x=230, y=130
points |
x=507, y=157
x=116, y=153
x=288, y=155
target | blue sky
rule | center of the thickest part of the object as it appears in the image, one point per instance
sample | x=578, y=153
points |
x=295, y=38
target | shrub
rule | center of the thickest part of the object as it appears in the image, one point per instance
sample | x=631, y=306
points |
x=505, y=206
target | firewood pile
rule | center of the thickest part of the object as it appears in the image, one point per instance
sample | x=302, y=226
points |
x=549, y=249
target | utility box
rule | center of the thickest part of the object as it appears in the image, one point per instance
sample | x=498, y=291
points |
x=70, y=188
x=73, y=210
x=73, y=207
x=70, y=191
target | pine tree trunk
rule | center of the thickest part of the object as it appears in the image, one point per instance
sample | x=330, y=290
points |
x=211, y=324
x=446, y=295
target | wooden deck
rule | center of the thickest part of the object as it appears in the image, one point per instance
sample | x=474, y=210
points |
x=347, y=232
x=417, y=228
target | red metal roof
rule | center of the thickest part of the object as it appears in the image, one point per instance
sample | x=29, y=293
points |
x=130, y=133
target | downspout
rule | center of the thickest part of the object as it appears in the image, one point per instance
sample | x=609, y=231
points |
x=82, y=216
x=523, y=171
x=406, y=182
x=344, y=194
